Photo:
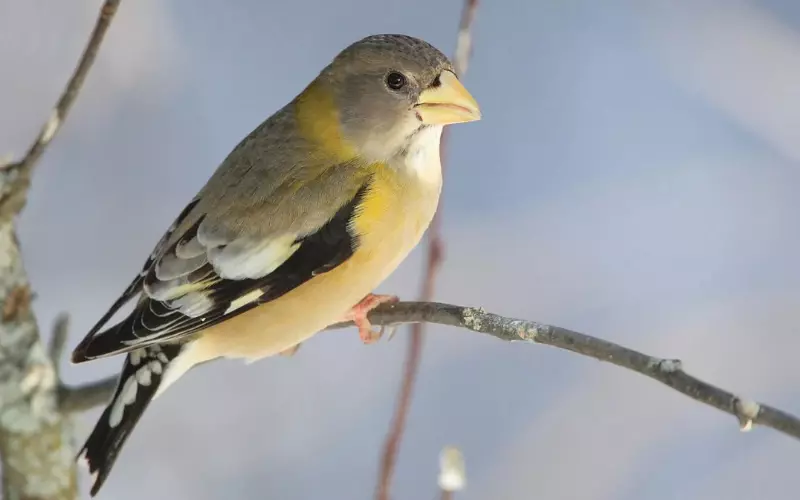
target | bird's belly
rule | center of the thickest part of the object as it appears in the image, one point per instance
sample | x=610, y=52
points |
x=280, y=324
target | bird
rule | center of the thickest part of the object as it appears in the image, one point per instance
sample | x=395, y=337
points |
x=293, y=232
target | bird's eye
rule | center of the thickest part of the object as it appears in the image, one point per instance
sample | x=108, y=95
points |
x=395, y=80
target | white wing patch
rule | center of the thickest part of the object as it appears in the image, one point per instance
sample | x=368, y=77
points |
x=245, y=258
x=244, y=300
x=164, y=291
x=193, y=304
x=242, y=258
x=170, y=267
x=189, y=279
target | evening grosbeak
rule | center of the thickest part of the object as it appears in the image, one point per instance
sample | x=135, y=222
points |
x=297, y=226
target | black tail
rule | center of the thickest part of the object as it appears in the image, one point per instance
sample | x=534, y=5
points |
x=137, y=384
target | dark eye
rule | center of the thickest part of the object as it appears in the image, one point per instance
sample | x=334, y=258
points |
x=395, y=80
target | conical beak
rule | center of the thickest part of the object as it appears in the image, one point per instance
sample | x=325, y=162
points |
x=447, y=103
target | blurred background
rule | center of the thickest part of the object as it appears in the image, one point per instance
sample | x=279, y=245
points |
x=635, y=177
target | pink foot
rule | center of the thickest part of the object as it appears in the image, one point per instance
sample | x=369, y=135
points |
x=358, y=315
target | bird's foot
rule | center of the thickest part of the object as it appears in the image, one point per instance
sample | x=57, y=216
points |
x=358, y=315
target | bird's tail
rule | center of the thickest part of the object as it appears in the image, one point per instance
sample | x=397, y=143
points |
x=137, y=385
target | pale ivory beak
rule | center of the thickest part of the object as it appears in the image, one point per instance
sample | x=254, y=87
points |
x=448, y=103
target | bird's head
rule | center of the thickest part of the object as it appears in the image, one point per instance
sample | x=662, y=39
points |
x=384, y=89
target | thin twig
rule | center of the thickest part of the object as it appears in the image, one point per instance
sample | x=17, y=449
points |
x=14, y=197
x=410, y=369
x=667, y=371
x=58, y=340
x=435, y=257
x=85, y=397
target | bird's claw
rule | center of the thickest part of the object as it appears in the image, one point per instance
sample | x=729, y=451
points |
x=358, y=315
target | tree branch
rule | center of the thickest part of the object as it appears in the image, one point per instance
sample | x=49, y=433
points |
x=85, y=397
x=667, y=371
x=35, y=437
x=435, y=258
x=18, y=174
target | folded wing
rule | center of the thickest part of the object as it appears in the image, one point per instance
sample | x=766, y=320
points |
x=200, y=279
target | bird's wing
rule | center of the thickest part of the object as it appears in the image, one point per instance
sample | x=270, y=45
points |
x=135, y=287
x=198, y=278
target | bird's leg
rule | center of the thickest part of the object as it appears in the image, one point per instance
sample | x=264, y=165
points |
x=358, y=315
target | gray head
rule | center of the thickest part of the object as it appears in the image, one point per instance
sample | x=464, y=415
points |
x=386, y=88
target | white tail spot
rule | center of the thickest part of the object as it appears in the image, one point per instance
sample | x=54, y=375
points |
x=135, y=357
x=143, y=375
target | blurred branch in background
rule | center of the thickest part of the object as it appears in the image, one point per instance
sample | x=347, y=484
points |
x=435, y=256
x=35, y=437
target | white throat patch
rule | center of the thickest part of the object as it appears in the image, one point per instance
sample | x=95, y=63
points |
x=422, y=157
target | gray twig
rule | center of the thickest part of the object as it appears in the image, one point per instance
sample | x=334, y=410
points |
x=85, y=397
x=667, y=371
x=58, y=340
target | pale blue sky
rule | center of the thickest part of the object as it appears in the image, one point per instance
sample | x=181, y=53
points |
x=634, y=177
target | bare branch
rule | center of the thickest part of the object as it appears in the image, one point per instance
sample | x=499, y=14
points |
x=667, y=371
x=18, y=174
x=34, y=435
x=435, y=257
